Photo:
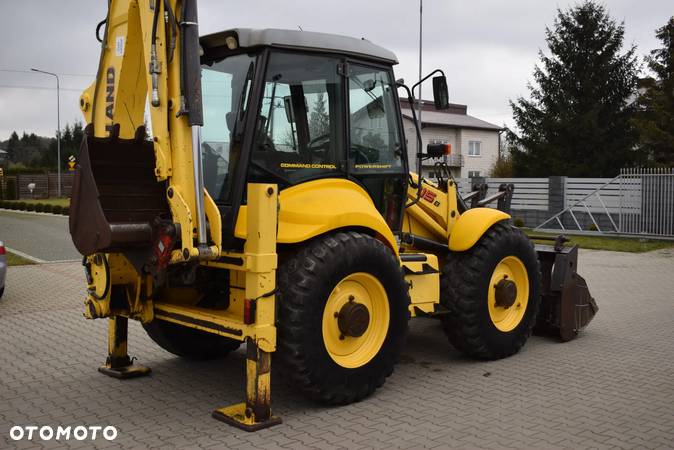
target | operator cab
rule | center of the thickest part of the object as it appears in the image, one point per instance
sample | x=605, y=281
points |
x=288, y=107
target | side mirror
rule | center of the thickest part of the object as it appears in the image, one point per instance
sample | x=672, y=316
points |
x=440, y=92
x=438, y=150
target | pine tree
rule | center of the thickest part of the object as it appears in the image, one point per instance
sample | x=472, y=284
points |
x=319, y=120
x=655, y=119
x=577, y=121
x=12, y=146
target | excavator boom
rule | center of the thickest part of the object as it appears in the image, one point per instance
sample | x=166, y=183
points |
x=128, y=187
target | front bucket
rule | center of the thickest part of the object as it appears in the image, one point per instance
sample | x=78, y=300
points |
x=116, y=196
x=567, y=306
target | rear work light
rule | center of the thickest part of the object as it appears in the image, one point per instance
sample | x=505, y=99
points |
x=438, y=150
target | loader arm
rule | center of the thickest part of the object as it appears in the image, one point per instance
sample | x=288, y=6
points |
x=438, y=216
x=439, y=224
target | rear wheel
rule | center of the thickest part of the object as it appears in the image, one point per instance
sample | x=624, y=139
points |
x=189, y=342
x=493, y=294
x=343, y=311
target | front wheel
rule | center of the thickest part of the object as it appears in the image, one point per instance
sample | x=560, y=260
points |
x=493, y=294
x=343, y=312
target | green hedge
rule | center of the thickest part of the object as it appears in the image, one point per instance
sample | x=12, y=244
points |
x=37, y=207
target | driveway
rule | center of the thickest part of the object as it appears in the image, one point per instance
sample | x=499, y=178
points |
x=611, y=388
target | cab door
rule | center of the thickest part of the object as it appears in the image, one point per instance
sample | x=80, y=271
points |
x=375, y=139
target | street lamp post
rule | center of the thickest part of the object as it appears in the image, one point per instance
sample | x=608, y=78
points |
x=58, y=128
x=421, y=28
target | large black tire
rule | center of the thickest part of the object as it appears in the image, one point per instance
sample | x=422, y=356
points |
x=306, y=281
x=464, y=291
x=188, y=342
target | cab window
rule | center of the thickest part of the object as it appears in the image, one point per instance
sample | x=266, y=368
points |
x=226, y=92
x=299, y=127
x=375, y=137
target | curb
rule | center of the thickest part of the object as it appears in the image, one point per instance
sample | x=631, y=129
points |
x=26, y=256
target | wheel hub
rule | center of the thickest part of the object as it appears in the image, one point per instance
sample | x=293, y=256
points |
x=505, y=293
x=353, y=319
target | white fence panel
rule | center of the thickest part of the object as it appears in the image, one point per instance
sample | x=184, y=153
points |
x=530, y=193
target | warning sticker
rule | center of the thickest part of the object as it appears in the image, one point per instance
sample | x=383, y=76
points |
x=119, y=46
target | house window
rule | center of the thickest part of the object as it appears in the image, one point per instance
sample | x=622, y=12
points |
x=473, y=173
x=474, y=148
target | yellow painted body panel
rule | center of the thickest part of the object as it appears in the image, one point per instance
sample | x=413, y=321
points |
x=435, y=214
x=438, y=204
x=472, y=225
x=122, y=274
x=424, y=287
x=316, y=207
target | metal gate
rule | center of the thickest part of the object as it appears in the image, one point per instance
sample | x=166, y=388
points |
x=638, y=201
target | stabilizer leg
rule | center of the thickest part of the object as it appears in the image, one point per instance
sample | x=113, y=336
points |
x=260, y=250
x=118, y=364
x=255, y=414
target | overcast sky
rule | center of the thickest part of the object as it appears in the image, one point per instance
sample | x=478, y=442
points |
x=487, y=48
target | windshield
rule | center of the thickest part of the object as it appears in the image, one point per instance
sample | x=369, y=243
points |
x=226, y=93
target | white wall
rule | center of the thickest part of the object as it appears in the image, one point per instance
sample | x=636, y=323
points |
x=428, y=134
x=488, y=151
x=459, y=139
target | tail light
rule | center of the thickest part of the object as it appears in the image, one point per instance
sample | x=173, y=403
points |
x=2, y=249
x=249, y=307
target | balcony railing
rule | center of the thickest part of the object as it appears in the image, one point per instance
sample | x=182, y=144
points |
x=454, y=160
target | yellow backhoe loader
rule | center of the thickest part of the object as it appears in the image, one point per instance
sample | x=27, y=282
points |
x=270, y=202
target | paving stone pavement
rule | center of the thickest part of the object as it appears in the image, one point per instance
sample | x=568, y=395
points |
x=611, y=388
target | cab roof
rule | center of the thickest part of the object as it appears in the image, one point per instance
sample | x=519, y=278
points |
x=305, y=40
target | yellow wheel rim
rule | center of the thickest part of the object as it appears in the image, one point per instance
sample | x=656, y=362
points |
x=365, y=291
x=507, y=317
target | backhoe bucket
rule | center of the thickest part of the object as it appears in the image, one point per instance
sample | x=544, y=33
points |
x=567, y=306
x=116, y=196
